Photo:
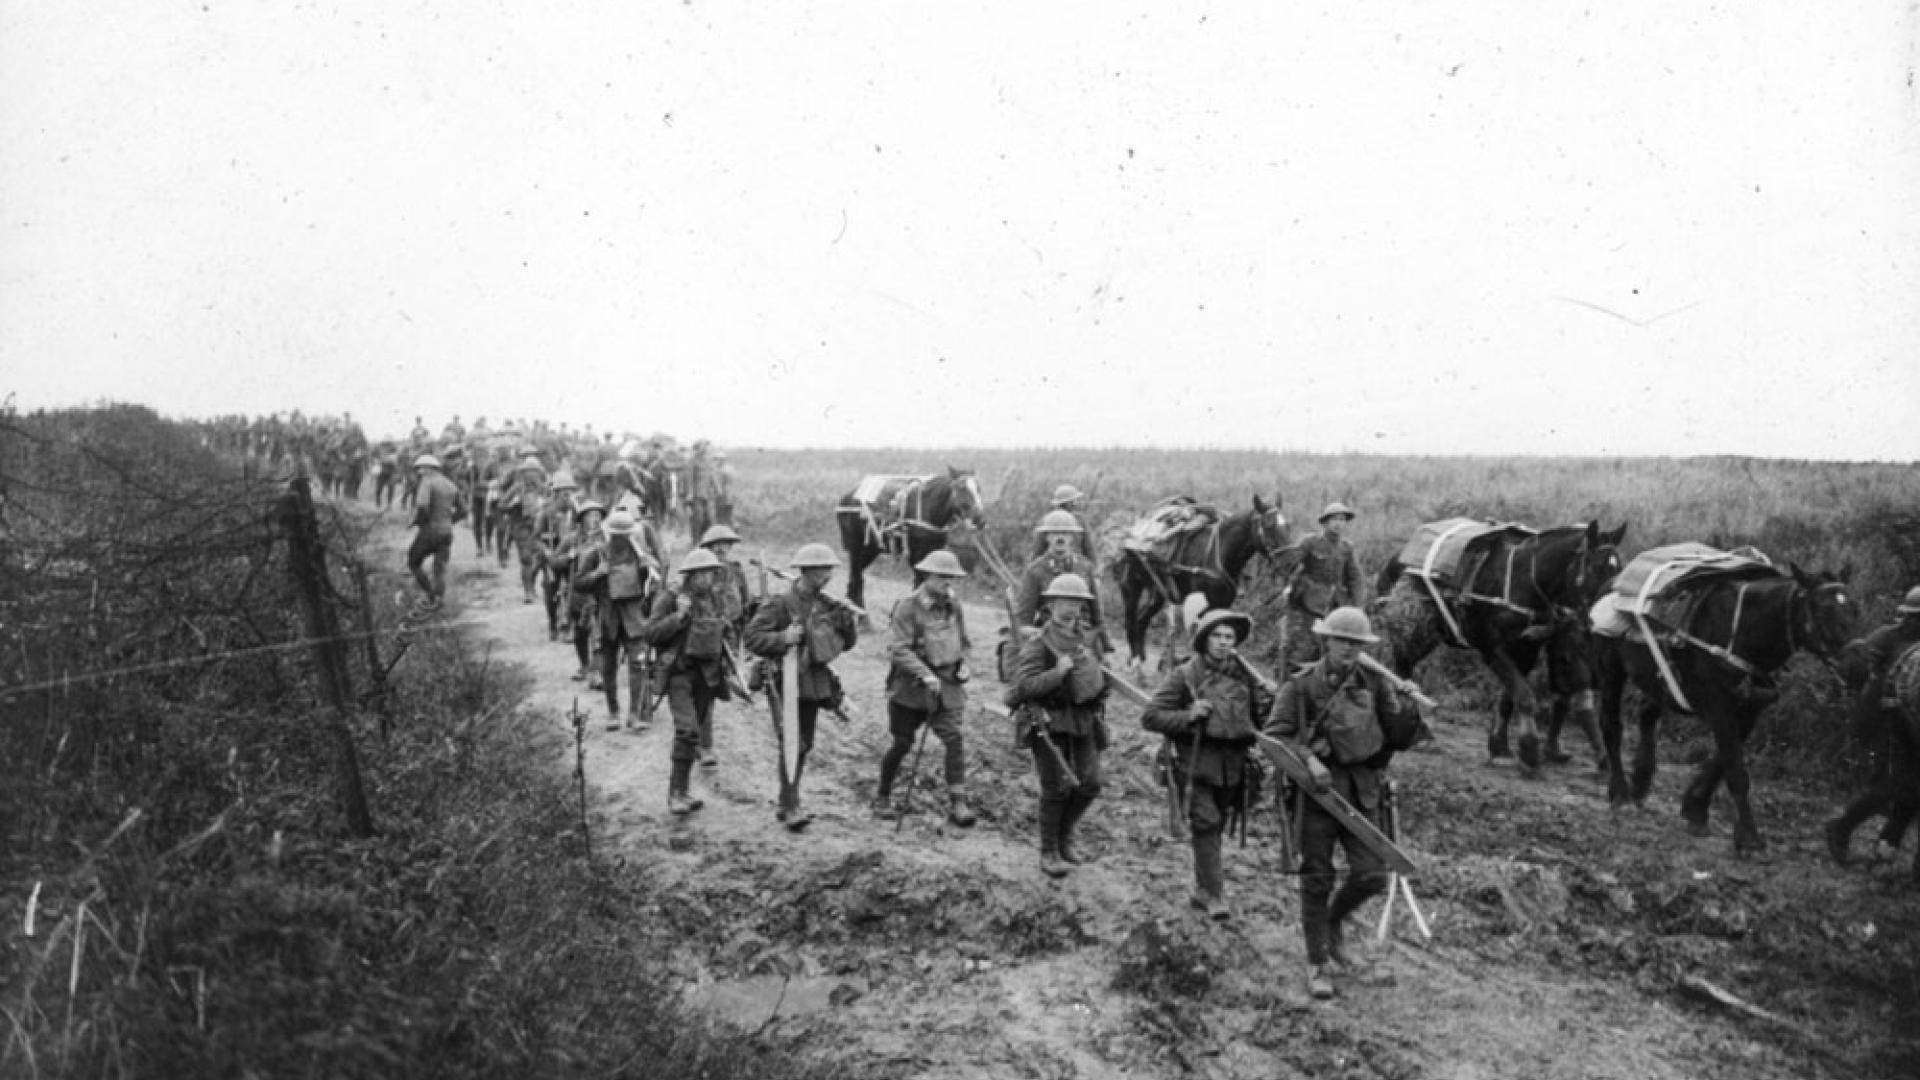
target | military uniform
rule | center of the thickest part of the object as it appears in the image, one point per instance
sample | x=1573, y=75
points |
x=1341, y=719
x=1327, y=577
x=520, y=504
x=1879, y=727
x=1067, y=710
x=619, y=578
x=440, y=506
x=827, y=630
x=928, y=640
x=1034, y=579
x=1207, y=758
x=690, y=645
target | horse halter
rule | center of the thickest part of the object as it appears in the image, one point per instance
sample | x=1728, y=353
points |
x=1260, y=519
x=1800, y=608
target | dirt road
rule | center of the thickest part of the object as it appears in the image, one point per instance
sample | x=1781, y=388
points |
x=1565, y=933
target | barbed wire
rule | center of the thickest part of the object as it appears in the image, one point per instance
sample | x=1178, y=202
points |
x=186, y=661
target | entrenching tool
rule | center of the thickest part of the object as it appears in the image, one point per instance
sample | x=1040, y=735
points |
x=1404, y=686
x=1290, y=763
x=790, y=712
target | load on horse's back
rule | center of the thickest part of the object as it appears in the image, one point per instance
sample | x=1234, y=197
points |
x=1511, y=594
x=910, y=516
x=1704, y=631
x=1183, y=547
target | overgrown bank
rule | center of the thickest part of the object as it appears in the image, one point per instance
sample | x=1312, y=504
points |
x=182, y=897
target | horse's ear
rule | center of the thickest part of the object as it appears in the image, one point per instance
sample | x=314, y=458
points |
x=1259, y=505
x=1593, y=533
x=1613, y=538
x=953, y=473
x=1846, y=572
x=1800, y=575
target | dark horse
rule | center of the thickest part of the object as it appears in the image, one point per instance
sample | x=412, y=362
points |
x=1208, y=561
x=928, y=510
x=1527, y=594
x=1741, y=631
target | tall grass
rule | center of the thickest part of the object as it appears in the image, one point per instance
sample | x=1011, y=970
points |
x=179, y=894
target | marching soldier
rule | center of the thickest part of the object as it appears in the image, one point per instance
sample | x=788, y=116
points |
x=582, y=614
x=1879, y=727
x=722, y=488
x=1068, y=500
x=730, y=589
x=927, y=681
x=1061, y=535
x=553, y=531
x=620, y=576
x=1327, y=577
x=440, y=506
x=1336, y=713
x=688, y=633
x=521, y=500
x=816, y=628
x=1059, y=680
x=1210, y=708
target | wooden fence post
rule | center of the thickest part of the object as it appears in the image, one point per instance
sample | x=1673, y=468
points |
x=306, y=561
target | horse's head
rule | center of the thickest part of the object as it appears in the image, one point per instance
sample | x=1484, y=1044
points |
x=1822, y=613
x=1597, y=563
x=1271, y=534
x=967, y=503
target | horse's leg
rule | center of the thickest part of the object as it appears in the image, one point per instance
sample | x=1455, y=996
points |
x=1696, y=804
x=1557, y=709
x=859, y=558
x=1516, y=701
x=1497, y=734
x=1645, y=753
x=1134, y=620
x=1746, y=833
x=1610, y=669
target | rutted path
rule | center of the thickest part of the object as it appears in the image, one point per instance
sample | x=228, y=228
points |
x=1560, y=926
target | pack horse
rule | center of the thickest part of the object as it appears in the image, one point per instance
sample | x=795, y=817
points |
x=1181, y=548
x=907, y=515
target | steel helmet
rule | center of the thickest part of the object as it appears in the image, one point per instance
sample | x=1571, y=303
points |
x=1242, y=626
x=426, y=461
x=565, y=482
x=699, y=559
x=1348, y=622
x=941, y=562
x=1911, y=604
x=591, y=506
x=1060, y=521
x=1066, y=493
x=718, y=533
x=811, y=555
x=1336, y=509
x=620, y=523
x=1067, y=587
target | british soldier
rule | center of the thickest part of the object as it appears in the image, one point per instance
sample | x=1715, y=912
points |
x=1058, y=679
x=803, y=626
x=1210, y=708
x=621, y=576
x=687, y=629
x=730, y=589
x=1326, y=577
x=439, y=508
x=926, y=683
x=1061, y=535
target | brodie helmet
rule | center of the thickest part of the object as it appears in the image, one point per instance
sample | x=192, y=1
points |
x=1057, y=521
x=941, y=563
x=1347, y=622
x=812, y=555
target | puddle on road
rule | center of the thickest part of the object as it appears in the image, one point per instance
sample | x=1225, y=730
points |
x=750, y=1003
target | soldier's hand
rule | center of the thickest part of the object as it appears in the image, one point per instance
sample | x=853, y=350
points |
x=1322, y=779
x=1202, y=709
x=931, y=682
x=791, y=635
x=683, y=604
x=1063, y=665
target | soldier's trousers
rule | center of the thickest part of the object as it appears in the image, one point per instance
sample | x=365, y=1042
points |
x=1322, y=909
x=903, y=723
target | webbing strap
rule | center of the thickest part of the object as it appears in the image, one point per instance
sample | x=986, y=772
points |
x=1426, y=578
x=1653, y=643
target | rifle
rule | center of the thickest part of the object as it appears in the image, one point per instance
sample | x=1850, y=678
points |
x=1295, y=767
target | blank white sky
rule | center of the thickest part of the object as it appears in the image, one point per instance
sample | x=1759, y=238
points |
x=1384, y=226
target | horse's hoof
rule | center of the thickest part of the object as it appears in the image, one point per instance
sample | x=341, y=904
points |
x=1839, y=841
x=1556, y=756
x=1530, y=753
x=1497, y=747
x=1698, y=828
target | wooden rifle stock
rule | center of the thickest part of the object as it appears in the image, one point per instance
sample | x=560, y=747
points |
x=1289, y=761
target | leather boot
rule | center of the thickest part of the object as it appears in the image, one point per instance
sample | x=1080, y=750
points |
x=1051, y=864
x=1209, y=878
x=957, y=810
x=678, y=801
x=1075, y=809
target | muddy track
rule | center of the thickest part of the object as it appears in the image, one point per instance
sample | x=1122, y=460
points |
x=1564, y=931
